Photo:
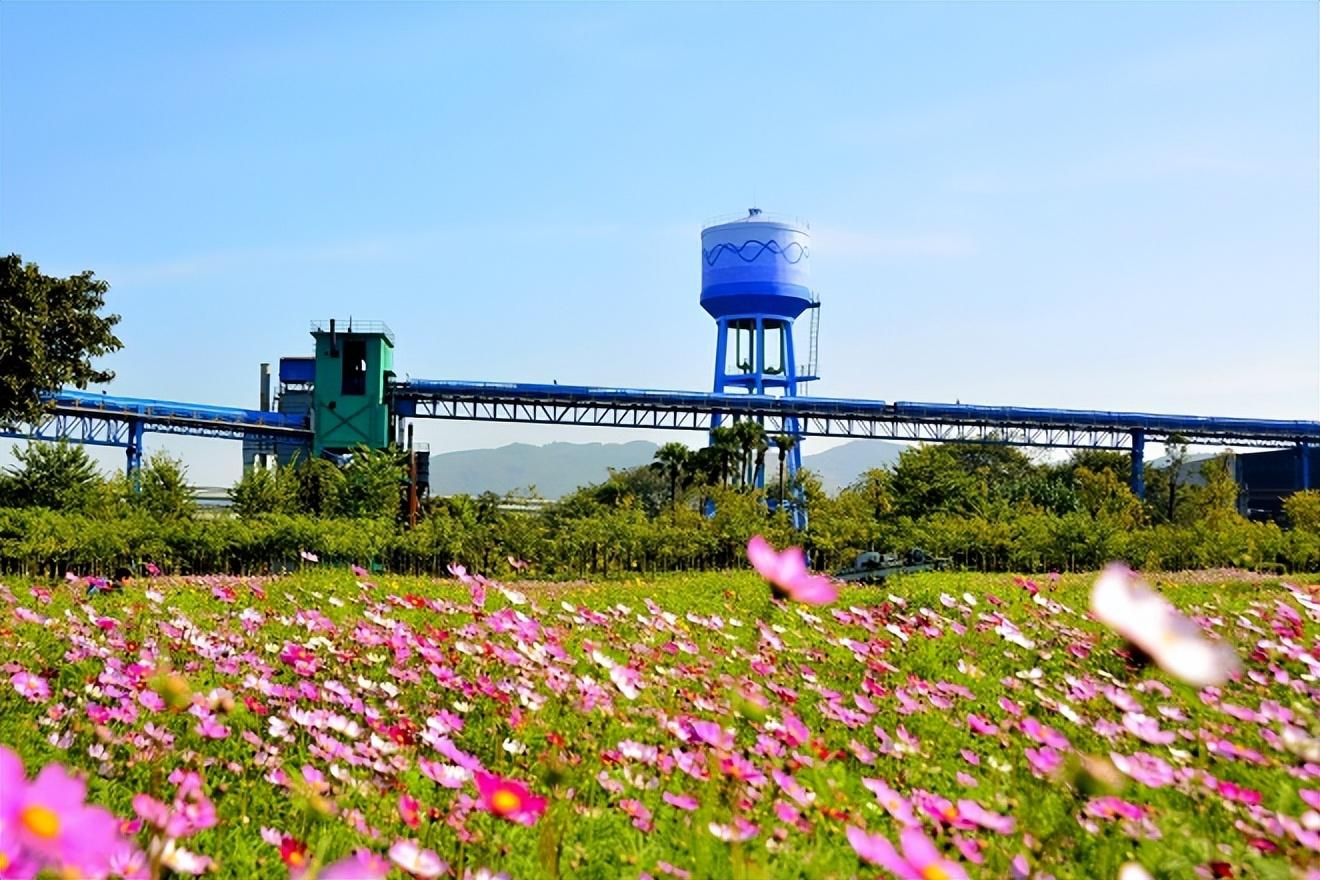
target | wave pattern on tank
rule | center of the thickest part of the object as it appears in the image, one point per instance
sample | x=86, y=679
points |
x=792, y=253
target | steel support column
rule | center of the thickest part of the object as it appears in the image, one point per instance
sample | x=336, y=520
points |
x=1138, y=477
x=1304, y=449
x=133, y=452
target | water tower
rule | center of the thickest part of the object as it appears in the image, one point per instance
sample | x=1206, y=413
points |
x=755, y=282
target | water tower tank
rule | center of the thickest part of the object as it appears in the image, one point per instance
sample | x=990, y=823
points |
x=756, y=266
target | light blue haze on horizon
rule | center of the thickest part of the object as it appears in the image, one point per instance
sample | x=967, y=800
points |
x=1111, y=206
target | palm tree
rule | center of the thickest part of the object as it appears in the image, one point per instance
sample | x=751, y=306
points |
x=673, y=460
x=785, y=444
x=724, y=449
x=749, y=435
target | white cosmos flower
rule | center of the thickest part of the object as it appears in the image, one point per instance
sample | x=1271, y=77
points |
x=1133, y=871
x=1129, y=607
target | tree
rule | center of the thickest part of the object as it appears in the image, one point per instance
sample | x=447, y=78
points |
x=722, y=457
x=373, y=483
x=785, y=443
x=749, y=436
x=931, y=479
x=164, y=492
x=1177, y=452
x=49, y=333
x=56, y=476
x=320, y=489
x=1303, y=510
x=264, y=490
x=672, y=460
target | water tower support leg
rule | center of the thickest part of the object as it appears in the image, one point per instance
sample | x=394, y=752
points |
x=1138, y=464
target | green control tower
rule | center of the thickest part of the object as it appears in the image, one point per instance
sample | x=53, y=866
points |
x=354, y=364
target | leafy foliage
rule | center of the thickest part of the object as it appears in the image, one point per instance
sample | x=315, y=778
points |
x=50, y=329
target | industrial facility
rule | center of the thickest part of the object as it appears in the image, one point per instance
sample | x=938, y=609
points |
x=756, y=284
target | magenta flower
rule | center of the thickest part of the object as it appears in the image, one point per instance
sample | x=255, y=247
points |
x=1144, y=768
x=682, y=801
x=358, y=571
x=787, y=573
x=894, y=803
x=409, y=810
x=996, y=822
x=33, y=687
x=1145, y=728
x=51, y=824
x=920, y=859
x=362, y=865
x=508, y=799
x=981, y=725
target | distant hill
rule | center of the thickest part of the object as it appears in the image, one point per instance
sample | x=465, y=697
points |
x=557, y=469
x=842, y=465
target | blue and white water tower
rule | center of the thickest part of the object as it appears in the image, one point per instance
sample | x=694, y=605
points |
x=755, y=282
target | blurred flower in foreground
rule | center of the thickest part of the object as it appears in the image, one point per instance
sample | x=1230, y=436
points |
x=1127, y=605
x=787, y=573
x=920, y=859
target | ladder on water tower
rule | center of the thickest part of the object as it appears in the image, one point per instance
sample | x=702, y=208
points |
x=807, y=372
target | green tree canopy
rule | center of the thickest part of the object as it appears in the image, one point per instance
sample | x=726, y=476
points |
x=50, y=330
x=56, y=476
x=164, y=492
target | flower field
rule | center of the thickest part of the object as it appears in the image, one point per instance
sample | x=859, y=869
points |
x=694, y=726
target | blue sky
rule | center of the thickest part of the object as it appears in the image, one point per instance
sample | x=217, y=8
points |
x=1089, y=205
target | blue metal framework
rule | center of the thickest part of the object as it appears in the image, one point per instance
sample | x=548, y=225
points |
x=827, y=417
x=832, y=417
x=103, y=420
x=100, y=420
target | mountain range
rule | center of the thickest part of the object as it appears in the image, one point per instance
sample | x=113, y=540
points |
x=556, y=469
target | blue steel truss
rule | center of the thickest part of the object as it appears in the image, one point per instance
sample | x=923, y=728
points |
x=827, y=417
x=103, y=420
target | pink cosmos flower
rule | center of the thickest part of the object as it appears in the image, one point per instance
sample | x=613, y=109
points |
x=1127, y=605
x=1145, y=728
x=738, y=831
x=894, y=803
x=713, y=734
x=33, y=687
x=508, y=799
x=920, y=859
x=153, y=570
x=410, y=856
x=981, y=725
x=682, y=801
x=211, y=729
x=1042, y=733
x=358, y=572
x=362, y=865
x=637, y=811
x=787, y=573
x=51, y=824
x=409, y=810
x=1144, y=768
x=1044, y=760
x=974, y=812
